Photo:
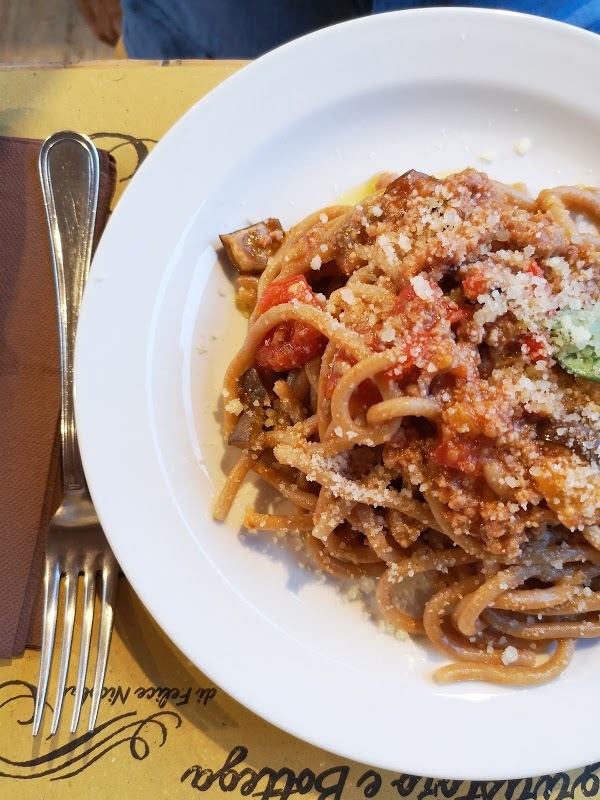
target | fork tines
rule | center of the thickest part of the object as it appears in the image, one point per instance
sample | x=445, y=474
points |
x=70, y=567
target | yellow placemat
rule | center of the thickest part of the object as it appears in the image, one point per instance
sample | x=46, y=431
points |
x=165, y=730
x=125, y=106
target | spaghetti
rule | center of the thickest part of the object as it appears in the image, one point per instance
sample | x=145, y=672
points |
x=401, y=385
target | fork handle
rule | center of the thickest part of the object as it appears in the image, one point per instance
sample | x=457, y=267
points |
x=69, y=173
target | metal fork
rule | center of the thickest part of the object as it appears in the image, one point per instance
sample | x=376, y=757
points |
x=76, y=545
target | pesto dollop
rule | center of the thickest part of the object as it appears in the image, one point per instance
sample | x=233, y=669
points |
x=576, y=336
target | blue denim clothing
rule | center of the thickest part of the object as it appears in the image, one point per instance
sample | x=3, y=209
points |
x=225, y=28
x=167, y=29
x=575, y=12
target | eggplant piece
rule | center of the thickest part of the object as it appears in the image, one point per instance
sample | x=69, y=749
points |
x=576, y=436
x=252, y=389
x=247, y=429
x=249, y=249
x=403, y=187
x=256, y=399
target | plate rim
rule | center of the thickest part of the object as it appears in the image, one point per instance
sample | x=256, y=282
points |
x=86, y=338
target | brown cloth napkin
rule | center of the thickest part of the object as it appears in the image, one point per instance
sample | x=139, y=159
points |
x=30, y=479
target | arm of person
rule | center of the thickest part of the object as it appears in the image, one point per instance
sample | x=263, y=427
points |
x=103, y=17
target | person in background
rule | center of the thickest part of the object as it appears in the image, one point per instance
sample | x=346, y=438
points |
x=171, y=29
x=104, y=18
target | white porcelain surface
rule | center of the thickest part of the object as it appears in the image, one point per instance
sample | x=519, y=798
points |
x=433, y=90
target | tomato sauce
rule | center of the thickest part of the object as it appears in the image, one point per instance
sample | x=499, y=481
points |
x=290, y=344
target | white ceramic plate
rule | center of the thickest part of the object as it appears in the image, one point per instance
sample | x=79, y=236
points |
x=434, y=90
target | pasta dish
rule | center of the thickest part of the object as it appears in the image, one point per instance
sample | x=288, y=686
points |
x=419, y=381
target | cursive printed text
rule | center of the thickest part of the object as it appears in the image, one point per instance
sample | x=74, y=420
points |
x=282, y=783
x=267, y=782
x=161, y=695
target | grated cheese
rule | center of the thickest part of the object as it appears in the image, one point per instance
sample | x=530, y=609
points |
x=234, y=406
x=509, y=655
x=423, y=288
x=522, y=146
x=348, y=295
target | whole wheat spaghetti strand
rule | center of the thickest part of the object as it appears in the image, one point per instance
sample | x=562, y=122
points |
x=367, y=368
x=568, y=595
x=578, y=604
x=495, y=478
x=395, y=574
x=401, y=620
x=402, y=407
x=330, y=511
x=373, y=526
x=520, y=199
x=465, y=542
x=561, y=554
x=281, y=523
x=458, y=647
x=587, y=627
x=336, y=566
x=472, y=606
x=578, y=199
x=312, y=465
x=341, y=545
x=515, y=675
x=301, y=431
x=312, y=369
x=439, y=560
x=285, y=487
x=323, y=401
x=549, y=201
x=534, y=600
x=231, y=487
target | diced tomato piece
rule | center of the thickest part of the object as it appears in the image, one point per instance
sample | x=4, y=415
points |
x=406, y=295
x=366, y=394
x=289, y=344
x=465, y=455
x=279, y=292
x=534, y=346
x=474, y=284
x=534, y=268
